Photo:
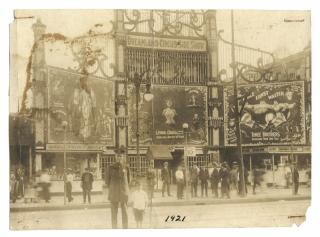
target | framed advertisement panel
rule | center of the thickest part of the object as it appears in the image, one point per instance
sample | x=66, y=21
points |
x=273, y=114
x=161, y=119
x=85, y=103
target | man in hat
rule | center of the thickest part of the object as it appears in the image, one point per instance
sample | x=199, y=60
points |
x=69, y=180
x=194, y=172
x=295, y=178
x=151, y=181
x=117, y=179
x=204, y=177
x=165, y=177
x=225, y=180
x=86, y=184
x=215, y=178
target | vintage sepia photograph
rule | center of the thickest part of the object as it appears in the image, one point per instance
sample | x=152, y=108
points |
x=159, y=118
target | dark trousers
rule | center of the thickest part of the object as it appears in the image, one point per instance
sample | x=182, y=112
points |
x=204, y=188
x=296, y=188
x=86, y=192
x=225, y=189
x=255, y=184
x=214, y=187
x=114, y=214
x=45, y=191
x=194, y=189
x=150, y=191
x=165, y=185
x=69, y=191
x=180, y=186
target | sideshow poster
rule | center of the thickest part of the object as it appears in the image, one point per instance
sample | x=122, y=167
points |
x=161, y=120
x=272, y=114
x=83, y=104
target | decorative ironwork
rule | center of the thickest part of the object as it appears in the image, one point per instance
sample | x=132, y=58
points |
x=169, y=68
x=252, y=65
x=166, y=22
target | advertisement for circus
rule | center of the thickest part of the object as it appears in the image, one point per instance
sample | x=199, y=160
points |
x=161, y=119
x=83, y=105
x=271, y=114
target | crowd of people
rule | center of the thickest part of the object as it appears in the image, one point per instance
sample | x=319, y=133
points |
x=122, y=190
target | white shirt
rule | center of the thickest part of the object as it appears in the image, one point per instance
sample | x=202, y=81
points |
x=179, y=174
x=69, y=177
x=139, y=199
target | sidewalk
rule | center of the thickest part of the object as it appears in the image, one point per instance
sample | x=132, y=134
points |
x=101, y=201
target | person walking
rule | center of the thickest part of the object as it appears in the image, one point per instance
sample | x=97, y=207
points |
x=151, y=181
x=139, y=204
x=295, y=179
x=117, y=179
x=86, y=184
x=215, y=178
x=165, y=177
x=225, y=181
x=45, y=183
x=180, y=180
x=204, y=177
x=194, y=180
x=69, y=181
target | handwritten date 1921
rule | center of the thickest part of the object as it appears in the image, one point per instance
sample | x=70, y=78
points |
x=175, y=218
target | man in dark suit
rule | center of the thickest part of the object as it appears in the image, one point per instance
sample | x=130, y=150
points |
x=117, y=180
x=86, y=184
x=165, y=177
x=215, y=178
x=295, y=179
x=194, y=173
x=204, y=177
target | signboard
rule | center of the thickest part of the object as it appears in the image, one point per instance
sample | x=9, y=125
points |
x=84, y=104
x=136, y=41
x=272, y=114
x=161, y=120
x=75, y=147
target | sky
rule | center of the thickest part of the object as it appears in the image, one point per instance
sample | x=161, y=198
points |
x=280, y=32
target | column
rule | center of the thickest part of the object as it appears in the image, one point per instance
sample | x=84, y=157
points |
x=211, y=35
x=38, y=162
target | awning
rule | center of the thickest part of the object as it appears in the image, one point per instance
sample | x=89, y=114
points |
x=160, y=152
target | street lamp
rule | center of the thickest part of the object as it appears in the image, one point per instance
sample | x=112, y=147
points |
x=137, y=80
x=64, y=125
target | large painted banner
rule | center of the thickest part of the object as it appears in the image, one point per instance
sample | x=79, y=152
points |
x=272, y=114
x=85, y=103
x=161, y=119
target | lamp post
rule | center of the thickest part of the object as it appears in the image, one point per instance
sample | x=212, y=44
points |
x=64, y=125
x=185, y=127
x=137, y=80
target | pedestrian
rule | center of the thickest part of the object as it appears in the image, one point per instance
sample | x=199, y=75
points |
x=86, y=184
x=165, y=177
x=295, y=179
x=69, y=181
x=287, y=174
x=225, y=181
x=234, y=177
x=117, y=179
x=256, y=178
x=151, y=181
x=45, y=184
x=204, y=177
x=139, y=204
x=13, y=187
x=180, y=180
x=20, y=182
x=245, y=176
x=194, y=173
x=215, y=177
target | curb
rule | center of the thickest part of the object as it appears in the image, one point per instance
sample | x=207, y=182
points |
x=160, y=204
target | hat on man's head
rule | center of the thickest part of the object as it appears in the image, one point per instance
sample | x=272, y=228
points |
x=166, y=163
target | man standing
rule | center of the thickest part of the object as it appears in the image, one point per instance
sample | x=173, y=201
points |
x=194, y=180
x=117, y=179
x=204, y=176
x=165, y=177
x=215, y=177
x=69, y=180
x=86, y=184
x=151, y=181
x=225, y=180
x=295, y=179
x=180, y=182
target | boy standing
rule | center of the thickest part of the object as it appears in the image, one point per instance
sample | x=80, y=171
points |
x=139, y=204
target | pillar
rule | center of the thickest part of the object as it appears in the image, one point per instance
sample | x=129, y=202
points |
x=38, y=162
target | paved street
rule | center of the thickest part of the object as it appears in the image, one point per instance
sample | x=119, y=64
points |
x=277, y=213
